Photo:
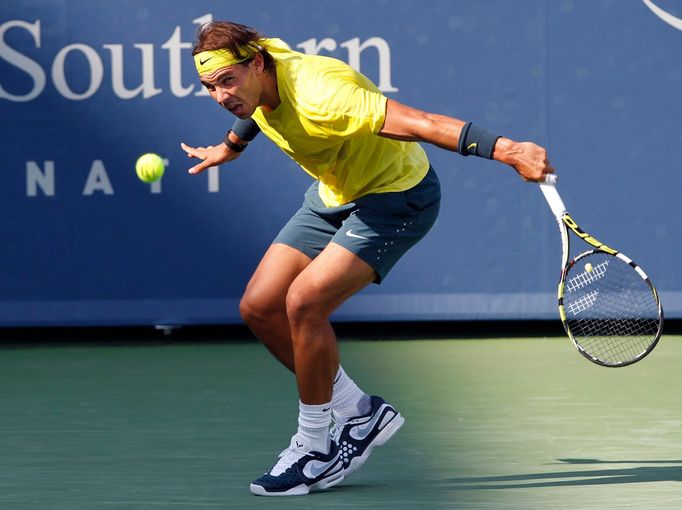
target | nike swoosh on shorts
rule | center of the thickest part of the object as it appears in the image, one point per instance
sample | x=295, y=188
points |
x=350, y=233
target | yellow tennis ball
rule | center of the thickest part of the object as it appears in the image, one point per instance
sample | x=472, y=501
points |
x=149, y=167
x=588, y=267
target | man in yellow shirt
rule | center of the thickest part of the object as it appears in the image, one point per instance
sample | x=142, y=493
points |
x=374, y=196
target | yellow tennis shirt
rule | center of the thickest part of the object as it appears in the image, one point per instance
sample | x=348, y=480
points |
x=328, y=121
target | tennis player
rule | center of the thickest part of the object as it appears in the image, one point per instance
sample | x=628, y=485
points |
x=373, y=197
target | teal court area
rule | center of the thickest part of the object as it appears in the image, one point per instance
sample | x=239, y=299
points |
x=519, y=423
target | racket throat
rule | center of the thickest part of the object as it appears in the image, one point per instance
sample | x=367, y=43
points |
x=571, y=224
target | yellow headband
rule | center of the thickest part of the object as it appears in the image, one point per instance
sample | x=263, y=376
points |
x=209, y=61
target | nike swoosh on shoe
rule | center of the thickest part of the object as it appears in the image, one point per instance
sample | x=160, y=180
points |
x=360, y=432
x=315, y=468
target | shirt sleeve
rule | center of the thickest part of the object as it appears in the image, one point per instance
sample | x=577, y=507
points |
x=343, y=106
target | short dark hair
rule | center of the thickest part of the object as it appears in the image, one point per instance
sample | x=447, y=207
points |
x=217, y=35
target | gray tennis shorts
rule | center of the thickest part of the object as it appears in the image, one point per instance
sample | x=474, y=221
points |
x=378, y=228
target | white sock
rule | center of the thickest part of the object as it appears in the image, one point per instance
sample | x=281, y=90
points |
x=348, y=400
x=313, y=427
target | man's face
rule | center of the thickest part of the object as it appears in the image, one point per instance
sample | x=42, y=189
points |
x=236, y=88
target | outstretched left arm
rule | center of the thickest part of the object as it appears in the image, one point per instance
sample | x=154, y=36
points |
x=410, y=124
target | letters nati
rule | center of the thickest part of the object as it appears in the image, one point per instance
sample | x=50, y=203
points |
x=41, y=179
x=92, y=65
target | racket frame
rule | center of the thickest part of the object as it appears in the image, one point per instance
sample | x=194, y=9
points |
x=567, y=223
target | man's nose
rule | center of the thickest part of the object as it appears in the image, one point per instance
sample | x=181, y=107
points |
x=221, y=94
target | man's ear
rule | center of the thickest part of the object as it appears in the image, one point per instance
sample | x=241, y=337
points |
x=258, y=62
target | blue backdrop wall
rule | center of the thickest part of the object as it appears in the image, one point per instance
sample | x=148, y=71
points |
x=87, y=86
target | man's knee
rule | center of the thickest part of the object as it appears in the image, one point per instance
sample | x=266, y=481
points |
x=303, y=304
x=256, y=307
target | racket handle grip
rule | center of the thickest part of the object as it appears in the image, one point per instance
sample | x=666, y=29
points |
x=551, y=194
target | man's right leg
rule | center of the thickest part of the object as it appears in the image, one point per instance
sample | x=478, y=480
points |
x=263, y=306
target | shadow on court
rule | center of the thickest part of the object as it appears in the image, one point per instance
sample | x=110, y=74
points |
x=650, y=471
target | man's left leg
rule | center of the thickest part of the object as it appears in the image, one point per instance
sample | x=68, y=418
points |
x=334, y=276
x=329, y=280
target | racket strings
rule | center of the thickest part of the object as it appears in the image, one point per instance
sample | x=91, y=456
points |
x=611, y=313
x=614, y=341
x=587, y=277
x=584, y=303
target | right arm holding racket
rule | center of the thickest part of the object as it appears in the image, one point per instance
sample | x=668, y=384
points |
x=411, y=124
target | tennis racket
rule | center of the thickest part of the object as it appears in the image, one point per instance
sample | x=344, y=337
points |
x=608, y=305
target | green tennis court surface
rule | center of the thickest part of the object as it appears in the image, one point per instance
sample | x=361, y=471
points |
x=490, y=424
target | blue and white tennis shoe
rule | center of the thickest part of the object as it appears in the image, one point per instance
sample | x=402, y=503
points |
x=358, y=436
x=297, y=472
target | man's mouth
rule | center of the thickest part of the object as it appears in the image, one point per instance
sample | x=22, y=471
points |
x=235, y=108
